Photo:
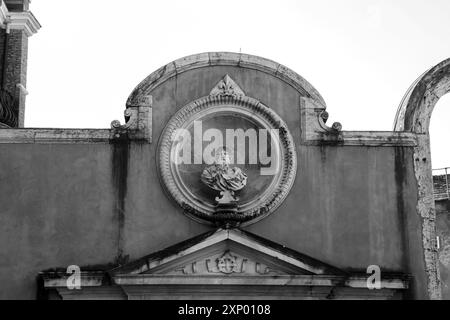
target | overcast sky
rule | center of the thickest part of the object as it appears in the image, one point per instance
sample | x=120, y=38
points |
x=361, y=55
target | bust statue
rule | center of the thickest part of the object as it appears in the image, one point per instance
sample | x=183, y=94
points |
x=221, y=177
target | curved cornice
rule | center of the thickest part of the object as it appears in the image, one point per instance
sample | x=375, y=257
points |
x=202, y=60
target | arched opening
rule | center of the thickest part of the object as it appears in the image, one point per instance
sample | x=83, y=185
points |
x=414, y=115
x=440, y=133
x=440, y=157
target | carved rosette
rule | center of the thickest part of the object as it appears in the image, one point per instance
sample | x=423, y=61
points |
x=228, y=97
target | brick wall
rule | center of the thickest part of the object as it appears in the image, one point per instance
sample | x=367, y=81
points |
x=13, y=70
x=16, y=70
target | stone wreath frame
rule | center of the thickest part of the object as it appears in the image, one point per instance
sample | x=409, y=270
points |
x=271, y=198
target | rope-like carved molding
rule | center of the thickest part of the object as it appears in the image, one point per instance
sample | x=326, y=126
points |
x=269, y=201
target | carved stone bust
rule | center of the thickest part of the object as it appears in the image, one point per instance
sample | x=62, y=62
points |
x=222, y=177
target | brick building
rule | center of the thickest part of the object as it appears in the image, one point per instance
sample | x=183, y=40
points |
x=18, y=23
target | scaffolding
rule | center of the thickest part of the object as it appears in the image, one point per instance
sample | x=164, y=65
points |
x=441, y=188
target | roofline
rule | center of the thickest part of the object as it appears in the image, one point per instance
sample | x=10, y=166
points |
x=207, y=59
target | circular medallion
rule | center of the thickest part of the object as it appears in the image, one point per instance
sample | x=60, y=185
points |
x=226, y=158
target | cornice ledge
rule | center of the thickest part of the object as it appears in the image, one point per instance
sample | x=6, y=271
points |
x=379, y=138
x=58, y=279
x=364, y=138
x=25, y=21
x=398, y=283
x=138, y=127
x=3, y=14
x=314, y=131
x=207, y=59
x=53, y=136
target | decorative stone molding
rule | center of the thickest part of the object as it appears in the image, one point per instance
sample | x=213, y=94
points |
x=241, y=244
x=3, y=14
x=54, y=136
x=317, y=132
x=138, y=125
x=227, y=100
x=227, y=263
x=87, y=279
x=314, y=131
x=227, y=87
x=313, y=123
x=209, y=59
x=414, y=112
x=221, y=287
x=25, y=21
x=240, y=265
x=18, y=20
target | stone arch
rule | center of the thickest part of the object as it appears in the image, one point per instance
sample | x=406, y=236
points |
x=413, y=115
x=414, y=112
x=207, y=59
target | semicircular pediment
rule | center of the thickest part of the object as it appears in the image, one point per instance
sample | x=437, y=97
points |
x=211, y=59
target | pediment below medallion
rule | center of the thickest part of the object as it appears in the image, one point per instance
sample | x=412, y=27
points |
x=227, y=262
x=227, y=252
x=223, y=264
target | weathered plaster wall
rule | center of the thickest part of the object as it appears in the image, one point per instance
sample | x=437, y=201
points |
x=60, y=205
x=90, y=204
x=346, y=208
x=443, y=231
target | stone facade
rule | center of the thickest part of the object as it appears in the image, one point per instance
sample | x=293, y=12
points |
x=101, y=187
x=115, y=205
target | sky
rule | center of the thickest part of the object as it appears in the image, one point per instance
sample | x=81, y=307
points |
x=361, y=55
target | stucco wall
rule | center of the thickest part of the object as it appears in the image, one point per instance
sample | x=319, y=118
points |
x=89, y=204
x=443, y=231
